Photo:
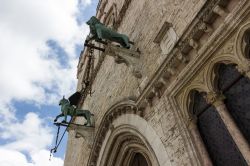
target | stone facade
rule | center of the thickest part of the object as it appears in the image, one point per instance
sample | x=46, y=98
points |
x=180, y=43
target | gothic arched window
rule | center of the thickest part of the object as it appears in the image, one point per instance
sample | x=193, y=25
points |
x=236, y=89
x=246, y=44
x=217, y=140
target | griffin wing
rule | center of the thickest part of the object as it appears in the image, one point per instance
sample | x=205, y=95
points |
x=75, y=98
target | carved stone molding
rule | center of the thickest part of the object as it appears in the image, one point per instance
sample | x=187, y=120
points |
x=100, y=8
x=162, y=32
x=128, y=56
x=87, y=133
x=240, y=44
x=214, y=98
x=127, y=107
x=123, y=146
x=111, y=15
x=179, y=55
x=122, y=13
x=220, y=11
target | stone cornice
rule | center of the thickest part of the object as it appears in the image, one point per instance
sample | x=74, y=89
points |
x=218, y=37
x=178, y=56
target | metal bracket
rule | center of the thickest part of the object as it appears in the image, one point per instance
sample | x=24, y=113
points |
x=122, y=55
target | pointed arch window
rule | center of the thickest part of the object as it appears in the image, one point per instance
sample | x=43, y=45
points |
x=246, y=43
x=218, y=142
x=236, y=89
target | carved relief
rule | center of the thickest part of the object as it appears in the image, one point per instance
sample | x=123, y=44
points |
x=108, y=118
x=213, y=97
x=228, y=47
x=128, y=56
x=199, y=78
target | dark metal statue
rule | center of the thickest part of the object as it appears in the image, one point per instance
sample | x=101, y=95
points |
x=67, y=109
x=99, y=31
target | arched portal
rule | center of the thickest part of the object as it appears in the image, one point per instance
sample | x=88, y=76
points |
x=126, y=139
x=125, y=146
x=138, y=160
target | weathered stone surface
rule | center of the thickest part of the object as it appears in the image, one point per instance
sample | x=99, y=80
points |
x=170, y=67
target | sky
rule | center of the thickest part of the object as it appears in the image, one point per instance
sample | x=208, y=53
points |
x=40, y=44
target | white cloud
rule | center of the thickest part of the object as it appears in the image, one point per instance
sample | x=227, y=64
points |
x=41, y=159
x=15, y=158
x=28, y=74
x=31, y=136
x=12, y=158
x=25, y=27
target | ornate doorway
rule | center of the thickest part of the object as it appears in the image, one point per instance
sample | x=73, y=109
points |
x=126, y=139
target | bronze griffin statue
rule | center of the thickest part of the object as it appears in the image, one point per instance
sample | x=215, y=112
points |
x=68, y=109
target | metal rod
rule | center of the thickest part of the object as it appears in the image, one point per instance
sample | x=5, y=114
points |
x=100, y=41
x=92, y=46
x=67, y=124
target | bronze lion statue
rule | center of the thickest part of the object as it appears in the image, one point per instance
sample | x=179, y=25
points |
x=99, y=31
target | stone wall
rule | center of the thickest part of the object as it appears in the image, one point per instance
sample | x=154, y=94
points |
x=142, y=21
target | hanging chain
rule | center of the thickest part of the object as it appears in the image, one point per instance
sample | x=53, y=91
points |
x=92, y=63
x=88, y=78
x=54, y=150
x=58, y=130
x=86, y=89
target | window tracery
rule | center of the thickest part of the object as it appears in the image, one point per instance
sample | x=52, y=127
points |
x=246, y=43
x=213, y=131
x=236, y=89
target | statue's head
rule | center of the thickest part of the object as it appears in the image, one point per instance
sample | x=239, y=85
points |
x=63, y=101
x=92, y=21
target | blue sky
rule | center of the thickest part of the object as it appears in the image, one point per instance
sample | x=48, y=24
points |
x=39, y=49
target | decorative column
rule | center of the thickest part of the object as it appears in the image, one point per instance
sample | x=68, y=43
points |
x=216, y=99
x=199, y=145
